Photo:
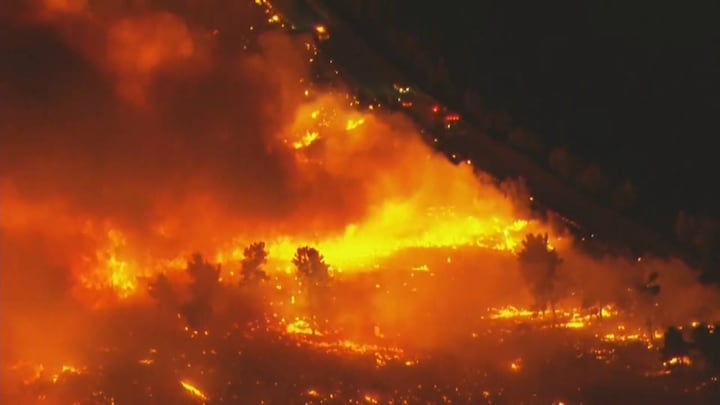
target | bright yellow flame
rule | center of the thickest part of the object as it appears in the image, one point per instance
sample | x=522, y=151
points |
x=120, y=277
x=378, y=236
x=110, y=270
x=301, y=327
x=306, y=140
x=352, y=124
x=414, y=199
x=193, y=390
x=381, y=354
x=511, y=312
x=371, y=399
x=614, y=337
x=576, y=322
x=678, y=361
x=65, y=369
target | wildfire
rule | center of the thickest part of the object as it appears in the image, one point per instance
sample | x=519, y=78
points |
x=193, y=390
x=411, y=196
x=511, y=312
x=362, y=244
x=110, y=269
x=40, y=373
x=574, y=318
x=352, y=124
x=409, y=246
x=306, y=140
x=301, y=327
x=381, y=354
x=576, y=322
x=66, y=369
x=678, y=361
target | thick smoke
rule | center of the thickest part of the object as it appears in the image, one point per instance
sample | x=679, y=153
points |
x=171, y=122
x=128, y=115
x=138, y=117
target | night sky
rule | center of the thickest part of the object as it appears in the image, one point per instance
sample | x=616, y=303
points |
x=631, y=87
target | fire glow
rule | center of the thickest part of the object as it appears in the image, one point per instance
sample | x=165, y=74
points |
x=198, y=239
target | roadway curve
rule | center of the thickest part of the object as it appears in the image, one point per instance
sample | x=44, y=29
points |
x=361, y=65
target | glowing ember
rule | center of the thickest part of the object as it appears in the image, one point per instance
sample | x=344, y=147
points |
x=510, y=312
x=352, y=124
x=214, y=211
x=306, y=140
x=66, y=369
x=301, y=327
x=193, y=390
x=370, y=399
x=575, y=323
x=678, y=361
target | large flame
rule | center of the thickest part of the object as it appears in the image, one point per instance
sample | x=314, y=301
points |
x=371, y=188
x=162, y=133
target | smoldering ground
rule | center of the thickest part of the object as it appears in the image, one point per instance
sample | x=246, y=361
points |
x=171, y=122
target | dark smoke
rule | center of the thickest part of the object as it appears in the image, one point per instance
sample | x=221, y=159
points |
x=127, y=112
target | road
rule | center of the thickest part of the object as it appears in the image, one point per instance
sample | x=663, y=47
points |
x=361, y=65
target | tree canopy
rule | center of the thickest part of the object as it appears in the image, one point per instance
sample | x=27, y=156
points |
x=539, y=267
x=310, y=265
x=254, y=258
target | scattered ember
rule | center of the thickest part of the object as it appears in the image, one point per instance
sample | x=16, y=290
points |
x=406, y=286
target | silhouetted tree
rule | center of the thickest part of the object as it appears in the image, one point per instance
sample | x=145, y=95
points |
x=707, y=345
x=563, y=163
x=674, y=345
x=254, y=258
x=204, y=284
x=441, y=77
x=311, y=266
x=314, y=273
x=205, y=276
x=624, y=196
x=474, y=105
x=527, y=141
x=592, y=304
x=594, y=180
x=539, y=267
x=648, y=290
x=422, y=61
x=501, y=122
x=160, y=289
x=702, y=235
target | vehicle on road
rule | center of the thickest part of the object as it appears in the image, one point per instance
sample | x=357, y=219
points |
x=321, y=32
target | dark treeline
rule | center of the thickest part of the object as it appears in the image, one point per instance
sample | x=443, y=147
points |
x=629, y=86
x=617, y=99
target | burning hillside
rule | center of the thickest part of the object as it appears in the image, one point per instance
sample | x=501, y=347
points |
x=188, y=217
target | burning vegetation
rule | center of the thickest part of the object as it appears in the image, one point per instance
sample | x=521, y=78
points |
x=189, y=217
